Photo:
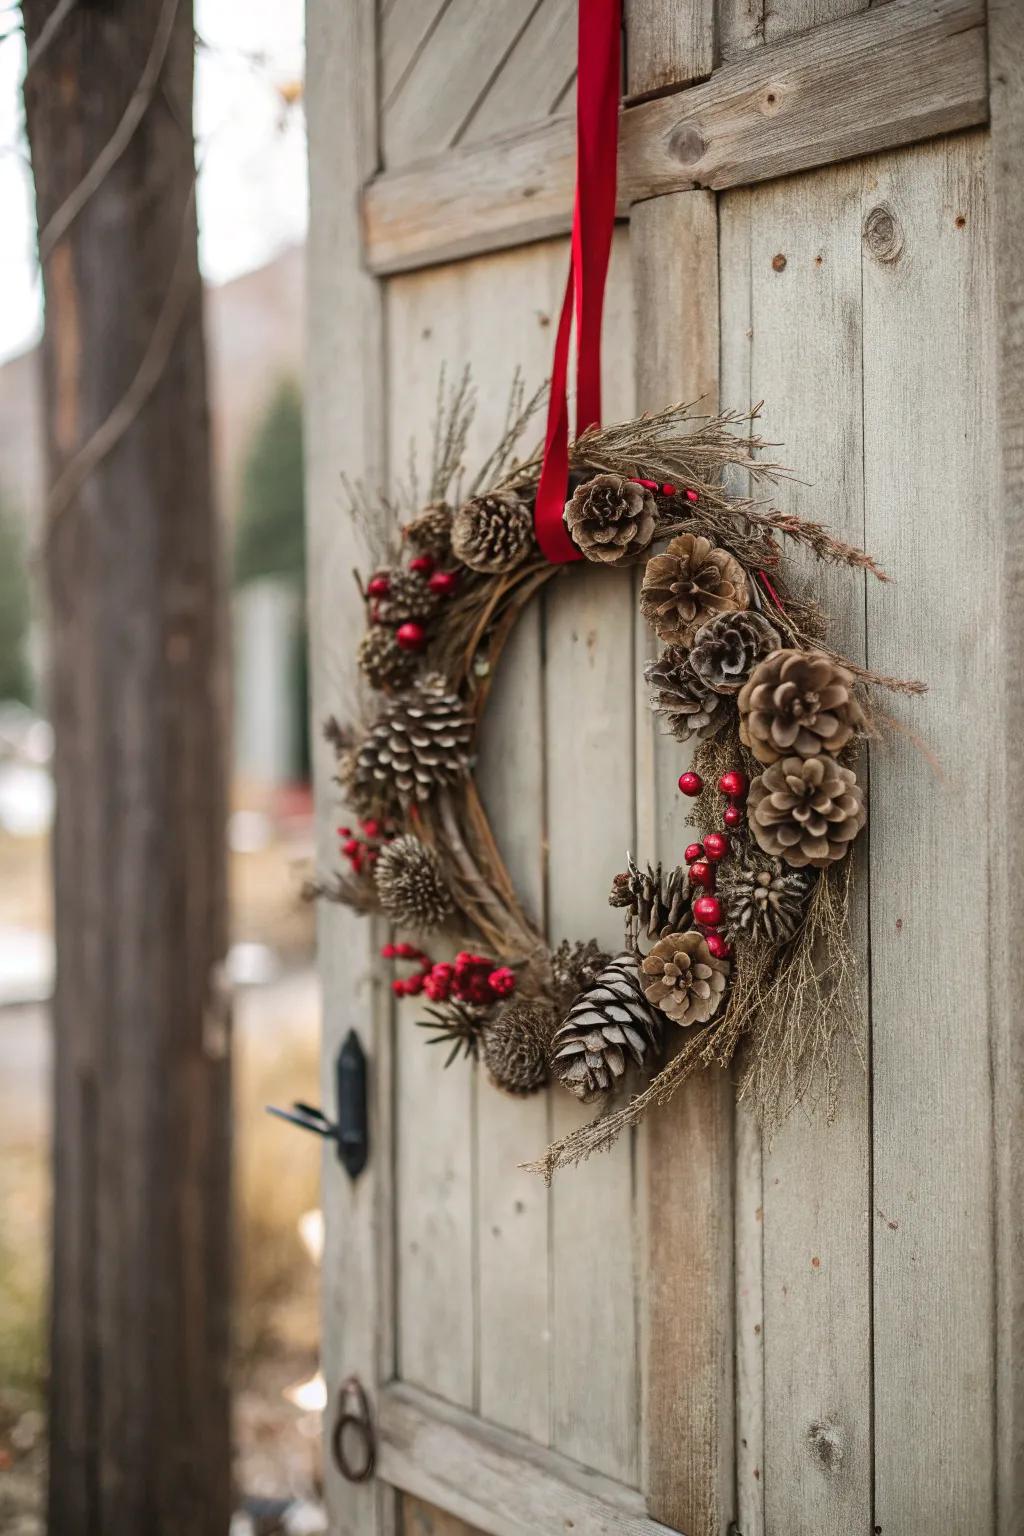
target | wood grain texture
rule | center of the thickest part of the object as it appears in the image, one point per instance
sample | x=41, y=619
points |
x=421, y=1519
x=535, y=77
x=746, y=24
x=929, y=401
x=667, y=44
x=902, y=72
x=688, y=1268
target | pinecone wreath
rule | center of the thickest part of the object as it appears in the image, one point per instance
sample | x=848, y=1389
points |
x=609, y=1025
x=610, y=518
x=687, y=584
x=684, y=979
x=798, y=702
x=655, y=903
x=515, y=1047
x=383, y=662
x=728, y=647
x=689, y=705
x=411, y=884
x=494, y=533
x=806, y=810
x=762, y=898
x=419, y=744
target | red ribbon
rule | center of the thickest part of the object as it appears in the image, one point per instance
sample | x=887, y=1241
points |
x=597, y=133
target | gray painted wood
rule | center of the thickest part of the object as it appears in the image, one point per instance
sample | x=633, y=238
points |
x=535, y=78
x=667, y=45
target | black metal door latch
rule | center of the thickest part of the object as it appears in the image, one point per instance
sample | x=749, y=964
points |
x=353, y=1442
x=350, y=1132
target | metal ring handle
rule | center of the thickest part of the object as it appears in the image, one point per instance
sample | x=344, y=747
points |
x=360, y=1422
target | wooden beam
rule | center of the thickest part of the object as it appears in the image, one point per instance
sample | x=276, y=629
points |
x=504, y=1483
x=905, y=71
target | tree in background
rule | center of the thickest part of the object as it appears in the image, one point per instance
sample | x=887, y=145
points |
x=14, y=610
x=270, y=538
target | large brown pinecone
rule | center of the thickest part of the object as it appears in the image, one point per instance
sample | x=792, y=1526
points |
x=656, y=903
x=806, y=810
x=574, y=967
x=798, y=702
x=408, y=598
x=515, y=1047
x=610, y=518
x=431, y=531
x=689, y=706
x=689, y=582
x=608, y=1025
x=728, y=647
x=762, y=898
x=382, y=660
x=411, y=884
x=493, y=533
x=418, y=745
x=683, y=978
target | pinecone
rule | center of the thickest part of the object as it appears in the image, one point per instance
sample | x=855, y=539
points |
x=574, y=968
x=493, y=533
x=798, y=702
x=762, y=898
x=382, y=661
x=515, y=1047
x=687, y=584
x=690, y=706
x=458, y=1024
x=728, y=647
x=806, y=810
x=411, y=884
x=419, y=744
x=684, y=979
x=610, y=518
x=655, y=904
x=609, y=1023
x=431, y=532
x=409, y=598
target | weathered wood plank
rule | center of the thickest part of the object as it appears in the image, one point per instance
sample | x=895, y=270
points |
x=534, y=78
x=667, y=44
x=901, y=72
x=420, y=1519
x=746, y=24
x=496, y=1480
x=688, y=1378
x=929, y=422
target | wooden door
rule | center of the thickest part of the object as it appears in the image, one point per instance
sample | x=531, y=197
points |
x=696, y=1331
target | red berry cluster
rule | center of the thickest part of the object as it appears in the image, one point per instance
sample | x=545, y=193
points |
x=412, y=636
x=470, y=978
x=664, y=490
x=408, y=986
x=361, y=848
x=704, y=857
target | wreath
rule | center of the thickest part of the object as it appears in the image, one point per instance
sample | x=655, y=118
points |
x=746, y=940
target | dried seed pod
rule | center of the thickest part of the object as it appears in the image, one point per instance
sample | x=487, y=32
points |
x=515, y=1047
x=411, y=884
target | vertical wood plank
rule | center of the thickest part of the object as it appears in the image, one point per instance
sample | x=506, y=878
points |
x=929, y=419
x=421, y=1519
x=668, y=43
x=747, y=24
x=689, y=1409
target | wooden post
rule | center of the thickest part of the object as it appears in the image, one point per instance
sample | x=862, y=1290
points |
x=139, y=1394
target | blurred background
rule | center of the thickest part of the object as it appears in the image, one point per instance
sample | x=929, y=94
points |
x=251, y=194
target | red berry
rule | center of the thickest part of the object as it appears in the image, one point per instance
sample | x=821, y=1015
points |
x=406, y=952
x=443, y=582
x=423, y=565
x=716, y=845
x=695, y=851
x=414, y=986
x=691, y=495
x=387, y=952
x=350, y=849
x=371, y=827
x=718, y=946
x=707, y=910
x=701, y=872
x=691, y=783
x=378, y=586
x=411, y=636
x=398, y=987
x=344, y=831
x=733, y=783
x=732, y=816
x=502, y=982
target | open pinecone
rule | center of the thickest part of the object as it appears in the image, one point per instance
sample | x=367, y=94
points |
x=493, y=533
x=610, y=518
x=684, y=979
x=408, y=598
x=609, y=1024
x=431, y=531
x=689, y=705
x=656, y=903
x=418, y=745
x=574, y=967
x=382, y=660
x=728, y=647
x=806, y=810
x=798, y=702
x=411, y=884
x=515, y=1047
x=689, y=582
x=762, y=898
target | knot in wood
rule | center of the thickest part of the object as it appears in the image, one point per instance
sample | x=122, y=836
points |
x=825, y=1442
x=883, y=233
x=686, y=144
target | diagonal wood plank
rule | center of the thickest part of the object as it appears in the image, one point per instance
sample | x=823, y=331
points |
x=534, y=77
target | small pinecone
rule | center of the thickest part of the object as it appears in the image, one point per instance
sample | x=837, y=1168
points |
x=687, y=584
x=655, y=903
x=806, y=810
x=728, y=648
x=409, y=599
x=609, y=1023
x=493, y=533
x=684, y=979
x=515, y=1047
x=382, y=660
x=419, y=744
x=411, y=884
x=459, y=1025
x=610, y=518
x=690, y=706
x=574, y=968
x=798, y=702
x=762, y=899
x=431, y=532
